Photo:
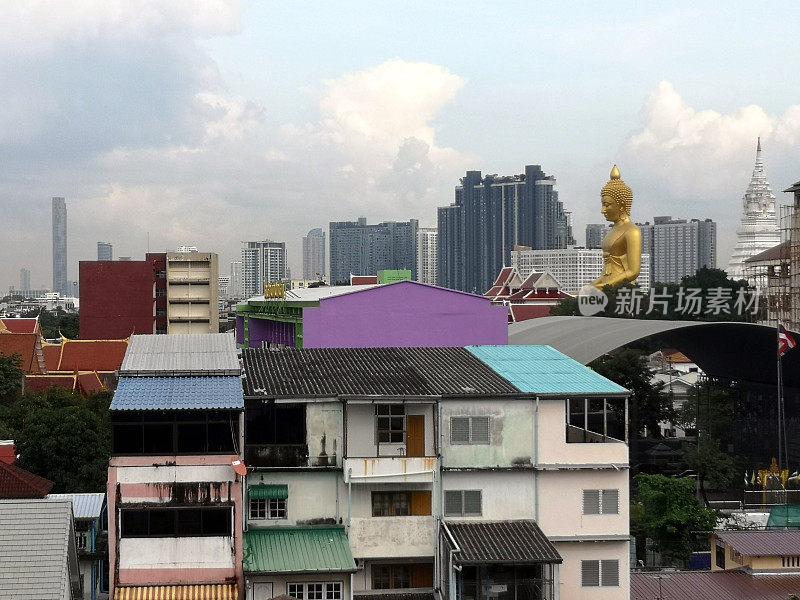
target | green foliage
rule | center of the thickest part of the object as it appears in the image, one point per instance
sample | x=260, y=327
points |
x=61, y=436
x=11, y=376
x=648, y=404
x=56, y=323
x=666, y=510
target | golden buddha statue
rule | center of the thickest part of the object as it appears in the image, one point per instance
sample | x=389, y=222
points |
x=622, y=247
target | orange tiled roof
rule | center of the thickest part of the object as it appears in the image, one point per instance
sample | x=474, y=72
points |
x=52, y=355
x=28, y=346
x=90, y=355
x=42, y=383
x=89, y=383
x=19, y=483
x=15, y=325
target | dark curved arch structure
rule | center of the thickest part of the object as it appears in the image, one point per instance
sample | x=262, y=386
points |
x=725, y=350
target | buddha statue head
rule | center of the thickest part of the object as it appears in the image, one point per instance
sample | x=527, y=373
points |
x=617, y=197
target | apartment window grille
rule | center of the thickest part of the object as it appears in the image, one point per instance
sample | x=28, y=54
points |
x=328, y=590
x=469, y=430
x=390, y=421
x=267, y=508
x=82, y=539
x=601, y=502
x=600, y=573
x=463, y=503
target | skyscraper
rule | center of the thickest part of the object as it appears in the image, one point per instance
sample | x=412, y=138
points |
x=60, y=246
x=24, y=279
x=235, y=283
x=758, y=229
x=314, y=254
x=678, y=248
x=262, y=263
x=361, y=249
x=595, y=232
x=426, y=255
x=490, y=216
x=105, y=251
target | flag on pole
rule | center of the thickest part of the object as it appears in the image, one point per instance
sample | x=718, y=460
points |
x=785, y=341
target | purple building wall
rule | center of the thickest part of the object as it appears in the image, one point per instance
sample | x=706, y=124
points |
x=274, y=332
x=404, y=314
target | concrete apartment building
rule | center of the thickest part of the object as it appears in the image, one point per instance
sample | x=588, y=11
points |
x=174, y=497
x=426, y=255
x=573, y=267
x=59, y=213
x=678, y=248
x=262, y=263
x=314, y=255
x=192, y=292
x=485, y=472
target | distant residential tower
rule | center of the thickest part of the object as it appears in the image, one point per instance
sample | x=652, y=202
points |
x=60, y=284
x=314, y=255
x=262, y=263
x=105, y=251
x=361, y=249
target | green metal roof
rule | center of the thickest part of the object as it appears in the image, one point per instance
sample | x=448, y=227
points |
x=297, y=550
x=544, y=370
x=268, y=492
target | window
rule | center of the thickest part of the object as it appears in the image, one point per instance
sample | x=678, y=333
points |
x=268, y=508
x=174, y=432
x=720, y=554
x=462, y=503
x=390, y=421
x=389, y=577
x=329, y=590
x=789, y=561
x=599, y=573
x=176, y=522
x=279, y=424
x=601, y=502
x=469, y=430
x=82, y=539
x=391, y=504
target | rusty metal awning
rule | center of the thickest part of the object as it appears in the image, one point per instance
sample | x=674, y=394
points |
x=222, y=591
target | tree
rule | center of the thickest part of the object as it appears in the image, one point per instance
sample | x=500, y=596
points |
x=11, y=376
x=666, y=511
x=647, y=405
x=56, y=323
x=62, y=436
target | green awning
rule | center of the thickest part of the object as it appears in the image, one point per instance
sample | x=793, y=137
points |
x=268, y=492
x=297, y=550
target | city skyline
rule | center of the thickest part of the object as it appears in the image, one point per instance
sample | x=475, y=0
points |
x=235, y=112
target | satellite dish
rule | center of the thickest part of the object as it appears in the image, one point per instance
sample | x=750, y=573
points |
x=238, y=466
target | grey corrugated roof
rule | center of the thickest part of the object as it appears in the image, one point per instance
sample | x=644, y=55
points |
x=487, y=542
x=178, y=393
x=763, y=542
x=330, y=372
x=201, y=354
x=35, y=538
x=84, y=506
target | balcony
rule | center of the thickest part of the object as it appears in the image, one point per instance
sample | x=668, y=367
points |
x=398, y=537
x=277, y=455
x=390, y=469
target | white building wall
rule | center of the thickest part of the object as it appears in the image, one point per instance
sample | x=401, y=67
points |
x=570, y=570
x=362, y=431
x=505, y=495
x=276, y=584
x=392, y=537
x=314, y=497
x=213, y=552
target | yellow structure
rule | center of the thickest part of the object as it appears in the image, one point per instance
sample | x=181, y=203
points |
x=622, y=247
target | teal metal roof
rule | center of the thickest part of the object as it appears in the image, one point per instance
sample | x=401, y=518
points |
x=544, y=370
x=298, y=550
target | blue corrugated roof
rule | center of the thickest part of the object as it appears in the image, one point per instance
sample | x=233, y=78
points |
x=84, y=506
x=544, y=370
x=178, y=393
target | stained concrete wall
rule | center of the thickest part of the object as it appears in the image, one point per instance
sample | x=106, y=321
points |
x=504, y=494
x=392, y=537
x=324, y=433
x=362, y=431
x=314, y=497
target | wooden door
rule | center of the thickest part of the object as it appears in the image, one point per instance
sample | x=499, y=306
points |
x=415, y=435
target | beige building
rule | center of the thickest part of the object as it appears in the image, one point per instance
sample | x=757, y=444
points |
x=192, y=292
x=758, y=552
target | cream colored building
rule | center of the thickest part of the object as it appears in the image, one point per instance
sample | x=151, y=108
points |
x=760, y=552
x=192, y=292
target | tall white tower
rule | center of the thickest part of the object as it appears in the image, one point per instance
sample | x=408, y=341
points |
x=758, y=230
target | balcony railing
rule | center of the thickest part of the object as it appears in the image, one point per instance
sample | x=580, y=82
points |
x=390, y=469
x=285, y=455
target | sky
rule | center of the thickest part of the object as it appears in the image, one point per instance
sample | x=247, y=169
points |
x=211, y=122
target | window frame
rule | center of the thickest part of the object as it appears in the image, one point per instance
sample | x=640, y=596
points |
x=393, y=574
x=328, y=587
x=176, y=420
x=162, y=512
x=470, y=429
x=277, y=512
x=463, y=512
x=601, y=495
x=390, y=416
x=392, y=504
x=601, y=563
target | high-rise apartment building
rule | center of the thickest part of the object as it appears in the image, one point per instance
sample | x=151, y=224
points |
x=105, y=251
x=192, y=292
x=314, y=255
x=758, y=230
x=361, y=249
x=24, y=279
x=490, y=216
x=60, y=284
x=235, y=281
x=595, y=232
x=426, y=255
x=678, y=248
x=262, y=263
x=572, y=267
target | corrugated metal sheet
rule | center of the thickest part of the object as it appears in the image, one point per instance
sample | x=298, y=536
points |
x=712, y=585
x=35, y=537
x=201, y=354
x=763, y=543
x=178, y=393
x=221, y=591
x=516, y=542
x=544, y=370
x=298, y=550
x=330, y=372
x=84, y=506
